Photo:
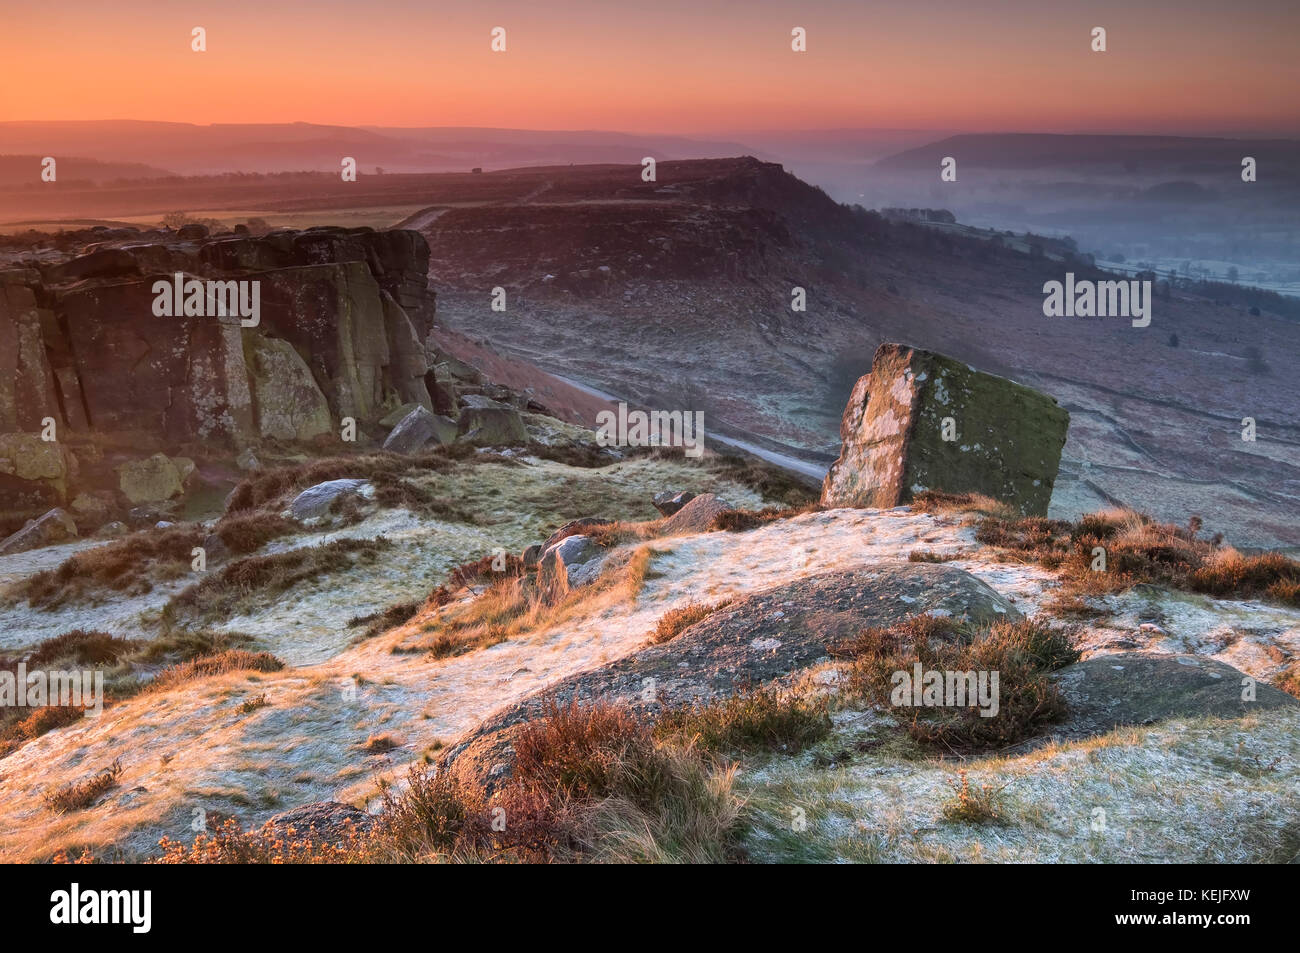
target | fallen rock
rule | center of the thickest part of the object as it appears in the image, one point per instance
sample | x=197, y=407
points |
x=1141, y=688
x=574, y=528
x=328, y=822
x=317, y=502
x=485, y=421
x=33, y=471
x=765, y=636
x=418, y=429
x=669, y=502
x=695, y=517
x=572, y=562
x=1006, y=444
x=56, y=526
x=154, y=480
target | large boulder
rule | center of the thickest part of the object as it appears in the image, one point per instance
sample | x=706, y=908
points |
x=154, y=480
x=289, y=405
x=485, y=421
x=1006, y=438
x=56, y=526
x=1141, y=688
x=419, y=429
x=33, y=471
x=763, y=637
x=696, y=516
x=27, y=382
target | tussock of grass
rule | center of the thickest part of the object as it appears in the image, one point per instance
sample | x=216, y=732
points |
x=925, y=556
x=675, y=621
x=1023, y=653
x=738, y=521
x=380, y=744
x=80, y=647
x=1139, y=550
x=232, y=660
x=236, y=584
x=760, y=719
x=245, y=533
x=933, y=501
x=82, y=794
x=974, y=805
x=131, y=566
x=380, y=622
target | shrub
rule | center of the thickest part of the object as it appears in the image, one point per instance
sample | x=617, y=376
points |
x=760, y=719
x=675, y=621
x=982, y=805
x=82, y=794
x=231, y=660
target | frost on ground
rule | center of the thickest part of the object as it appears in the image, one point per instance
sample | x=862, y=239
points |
x=190, y=752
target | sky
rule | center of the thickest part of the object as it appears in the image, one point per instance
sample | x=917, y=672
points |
x=672, y=66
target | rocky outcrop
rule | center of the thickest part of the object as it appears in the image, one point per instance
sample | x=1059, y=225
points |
x=669, y=502
x=569, y=564
x=488, y=422
x=342, y=319
x=921, y=421
x=696, y=516
x=766, y=636
x=319, y=501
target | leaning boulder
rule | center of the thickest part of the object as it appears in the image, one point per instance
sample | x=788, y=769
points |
x=418, y=429
x=56, y=526
x=921, y=421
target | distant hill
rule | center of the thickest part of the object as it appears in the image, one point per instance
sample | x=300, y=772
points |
x=22, y=170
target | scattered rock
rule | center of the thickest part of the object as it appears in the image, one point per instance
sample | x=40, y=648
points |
x=113, y=529
x=418, y=429
x=1141, y=688
x=56, y=526
x=669, y=502
x=316, y=502
x=323, y=821
x=1006, y=444
x=247, y=460
x=695, y=517
x=572, y=562
x=574, y=528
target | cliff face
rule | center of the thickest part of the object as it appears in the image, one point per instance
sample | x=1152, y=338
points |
x=344, y=312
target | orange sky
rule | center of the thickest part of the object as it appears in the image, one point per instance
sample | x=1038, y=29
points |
x=669, y=66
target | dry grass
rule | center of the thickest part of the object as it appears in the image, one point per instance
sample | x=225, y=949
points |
x=240, y=584
x=1139, y=550
x=380, y=622
x=130, y=566
x=1289, y=680
x=675, y=621
x=80, y=647
x=1023, y=653
x=82, y=794
x=933, y=501
x=974, y=805
x=380, y=744
x=925, y=556
x=231, y=660
x=759, y=719
x=738, y=521
x=244, y=533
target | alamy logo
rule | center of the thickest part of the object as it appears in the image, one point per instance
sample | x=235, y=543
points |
x=39, y=689
x=1098, y=299
x=943, y=689
x=655, y=428
x=193, y=298
x=134, y=907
